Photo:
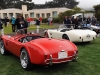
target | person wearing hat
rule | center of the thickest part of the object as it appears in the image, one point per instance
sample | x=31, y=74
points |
x=13, y=19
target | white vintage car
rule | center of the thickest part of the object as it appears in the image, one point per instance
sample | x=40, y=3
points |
x=74, y=35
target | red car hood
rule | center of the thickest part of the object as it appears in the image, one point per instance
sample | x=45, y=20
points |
x=54, y=45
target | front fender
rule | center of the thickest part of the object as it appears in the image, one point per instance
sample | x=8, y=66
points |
x=4, y=40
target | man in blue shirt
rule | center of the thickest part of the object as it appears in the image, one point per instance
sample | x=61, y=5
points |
x=13, y=23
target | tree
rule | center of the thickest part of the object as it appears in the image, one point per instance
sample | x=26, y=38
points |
x=77, y=9
x=58, y=3
x=97, y=11
x=17, y=3
x=29, y=4
x=66, y=3
x=2, y=4
x=66, y=13
x=63, y=3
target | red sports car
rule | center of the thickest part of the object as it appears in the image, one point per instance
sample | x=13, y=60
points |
x=35, y=49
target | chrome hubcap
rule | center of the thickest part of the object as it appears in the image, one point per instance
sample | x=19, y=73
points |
x=1, y=48
x=24, y=59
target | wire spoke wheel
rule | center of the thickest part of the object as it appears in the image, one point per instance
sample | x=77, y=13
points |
x=1, y=47
x=25, y=60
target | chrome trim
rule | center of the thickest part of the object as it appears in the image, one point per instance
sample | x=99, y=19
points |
x=51, y=59
x=62, y=50
x=61, y=61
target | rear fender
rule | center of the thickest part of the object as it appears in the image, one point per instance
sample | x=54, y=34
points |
x=36, y=54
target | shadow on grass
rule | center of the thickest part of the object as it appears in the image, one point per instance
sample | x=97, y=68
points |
x=42, y=70
x=84, y=43
x=57, y=69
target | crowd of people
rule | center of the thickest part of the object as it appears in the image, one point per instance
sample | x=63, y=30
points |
x=19, y=23
x=74, y=20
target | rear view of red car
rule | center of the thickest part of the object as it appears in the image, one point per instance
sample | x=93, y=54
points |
x=35, y=49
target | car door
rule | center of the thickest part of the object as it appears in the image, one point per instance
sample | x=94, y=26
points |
x=56, y=34
x=14, y=46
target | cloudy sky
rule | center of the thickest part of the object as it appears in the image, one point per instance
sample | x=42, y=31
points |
x=83, y=3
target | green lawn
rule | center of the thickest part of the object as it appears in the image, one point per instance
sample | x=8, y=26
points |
x=8, y=30
x=88, y=63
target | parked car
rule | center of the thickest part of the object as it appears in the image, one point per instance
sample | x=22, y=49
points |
x=95, y=28
x=35, y=49
x=74, y=35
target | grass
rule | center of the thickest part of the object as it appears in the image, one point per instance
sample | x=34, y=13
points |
x=8, y=30
x=88, y=63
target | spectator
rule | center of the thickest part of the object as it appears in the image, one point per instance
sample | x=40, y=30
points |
x=80, y=19
x=72, y=18
x=28, y=21
x=50, y=20
x=37, y=24
x=94, y=20
x=1, y=27
x=21, y=24
x=84, y=20
x=88, y=20
x=75, y=22
x=32, y=22
x=13, y=19
x=17, y=22
x=40, y=19
x=5, y=21
x=67, y=21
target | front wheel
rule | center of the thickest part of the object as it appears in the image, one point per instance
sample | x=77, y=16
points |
x=65, y=37
x=2, y=48
x=25, y=60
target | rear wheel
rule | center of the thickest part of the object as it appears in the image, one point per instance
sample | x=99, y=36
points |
x=65, y=37
x=2, y=48
x=25, y=60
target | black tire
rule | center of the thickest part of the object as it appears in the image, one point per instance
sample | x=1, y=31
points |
x=65, y=37
x=25, y=60
x=88, y=41
x=2, y=48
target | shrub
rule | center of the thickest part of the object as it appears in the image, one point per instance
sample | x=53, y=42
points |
x=66, y=13
x=44, y=20
x=55, y=20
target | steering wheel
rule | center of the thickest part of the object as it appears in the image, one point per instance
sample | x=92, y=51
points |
x=25, y=40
